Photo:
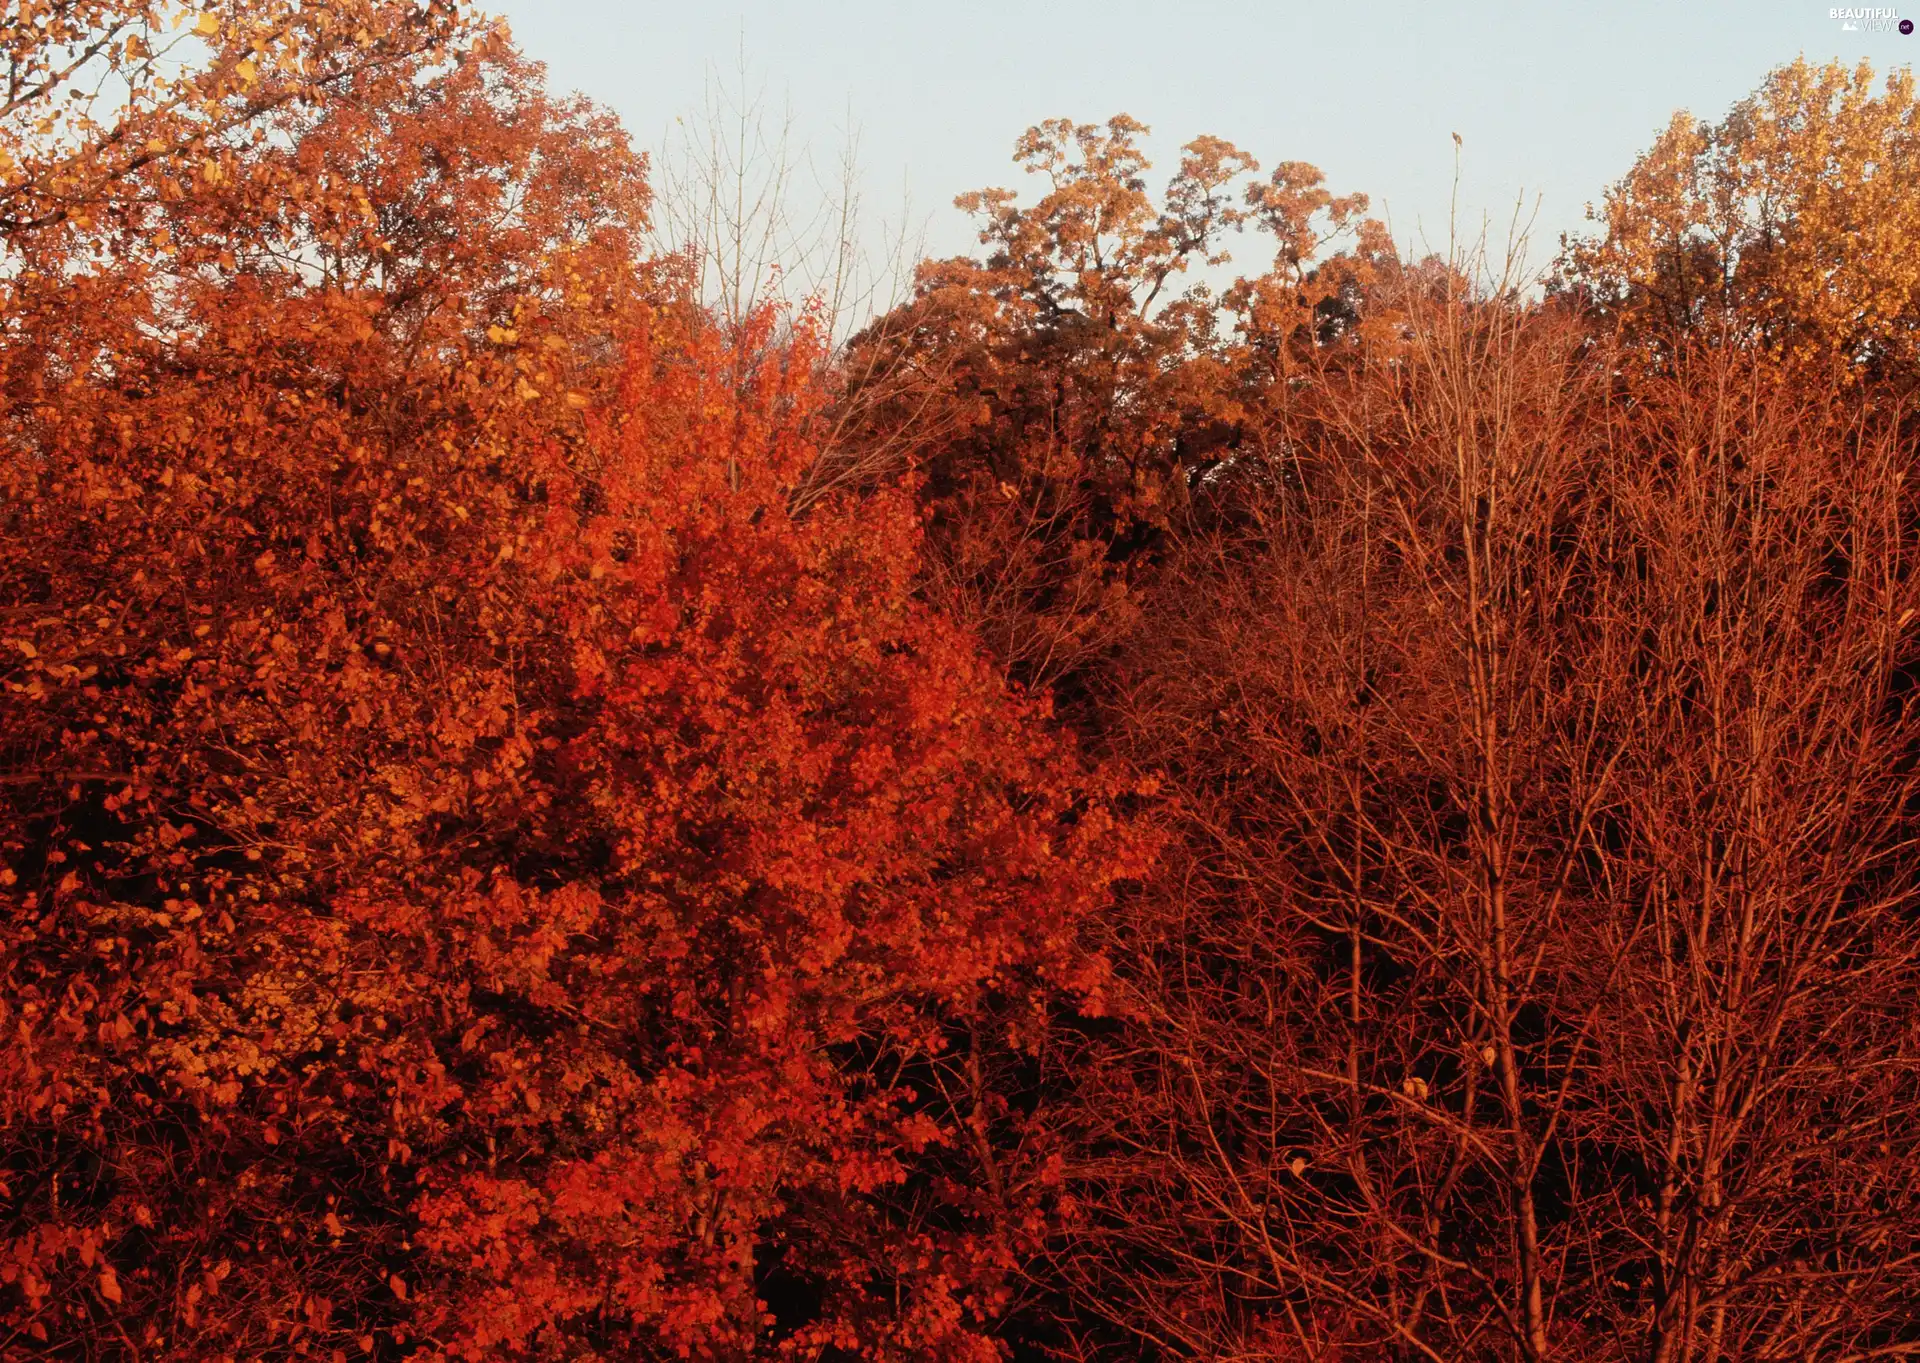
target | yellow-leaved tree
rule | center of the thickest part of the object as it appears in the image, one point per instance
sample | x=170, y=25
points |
x=1791, y=221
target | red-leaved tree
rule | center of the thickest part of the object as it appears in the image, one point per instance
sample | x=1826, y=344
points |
x=480, y=878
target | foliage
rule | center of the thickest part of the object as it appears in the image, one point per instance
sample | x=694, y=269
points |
x=1791, y=220
x=482, y=879
x=1069, y=399
x=101, y=93
x=532, y=823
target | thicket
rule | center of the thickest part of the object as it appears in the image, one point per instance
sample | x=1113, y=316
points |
x=1362, y=813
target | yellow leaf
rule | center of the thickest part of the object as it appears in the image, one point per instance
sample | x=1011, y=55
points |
x=109, y=1285
x=207, y=26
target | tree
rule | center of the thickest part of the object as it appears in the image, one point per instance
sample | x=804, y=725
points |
x=1526, y=976
x=480, y=878
x=1069, y=395
x=1788, y=221
x=102, y=92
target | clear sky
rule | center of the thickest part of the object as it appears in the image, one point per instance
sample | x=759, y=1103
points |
x=1552, y=99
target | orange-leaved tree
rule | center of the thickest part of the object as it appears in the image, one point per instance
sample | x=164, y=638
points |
x=102, y=94
x=1073, y=393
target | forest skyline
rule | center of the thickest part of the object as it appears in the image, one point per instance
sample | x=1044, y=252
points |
x=1370, y=94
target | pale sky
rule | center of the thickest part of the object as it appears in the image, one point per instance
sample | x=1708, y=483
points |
x=1552, y=99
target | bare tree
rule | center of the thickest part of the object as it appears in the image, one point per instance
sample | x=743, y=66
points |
x=1531, y=975
x=755, y=219
x=741, y=197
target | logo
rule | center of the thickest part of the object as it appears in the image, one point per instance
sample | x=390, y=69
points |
x=1870, y=19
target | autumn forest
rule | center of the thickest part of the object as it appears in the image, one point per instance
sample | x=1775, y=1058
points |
x=1331, y=805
